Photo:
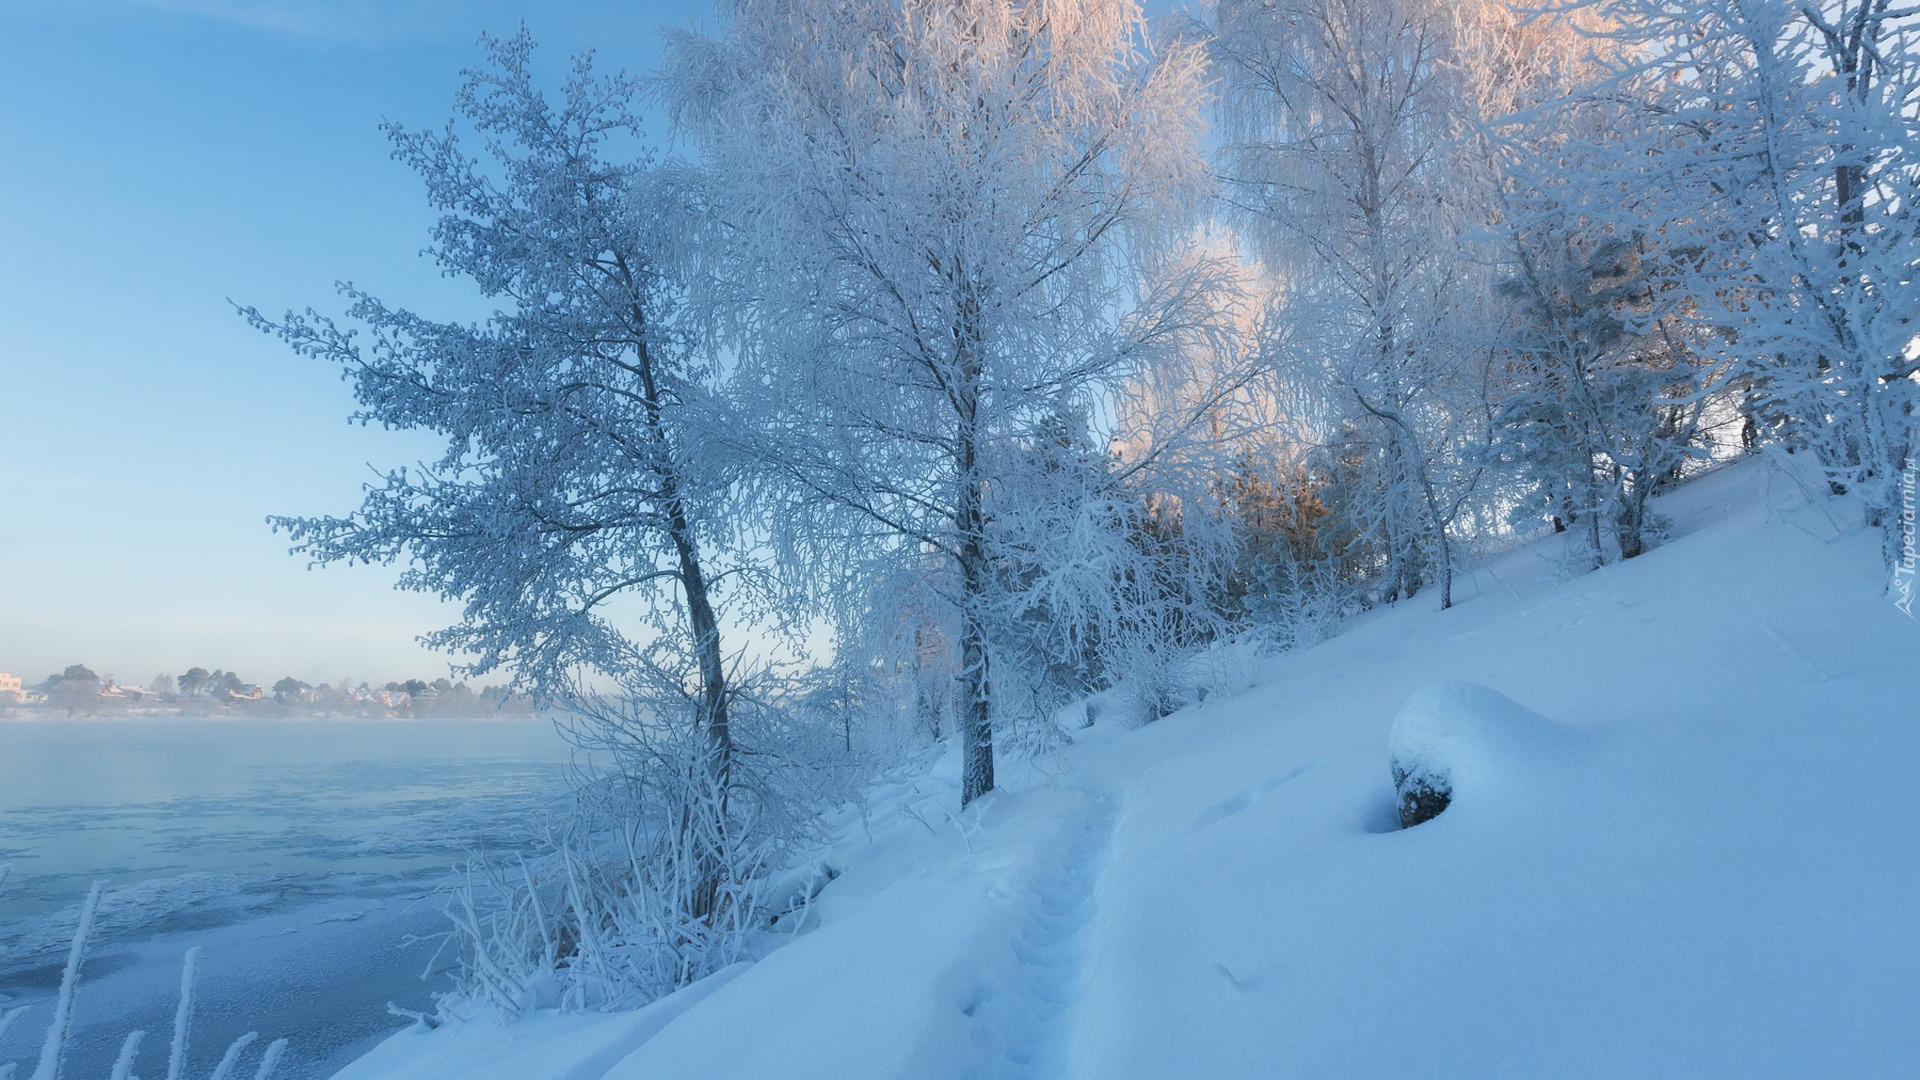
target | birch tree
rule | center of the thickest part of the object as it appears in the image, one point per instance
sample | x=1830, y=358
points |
x=1340, y=116
x=940, y=209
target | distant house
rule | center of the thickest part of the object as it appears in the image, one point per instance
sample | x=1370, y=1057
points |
x=129, y=693
x=115, y=691
x=14, y=692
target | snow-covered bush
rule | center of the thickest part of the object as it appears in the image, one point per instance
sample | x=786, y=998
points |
x=645, y=883
x=601, y=919
x=1300, y=603
x=657, y=875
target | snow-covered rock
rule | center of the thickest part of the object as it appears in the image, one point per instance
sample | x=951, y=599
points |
x=1458, y=735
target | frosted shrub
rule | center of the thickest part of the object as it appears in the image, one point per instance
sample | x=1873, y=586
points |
x=603, y=918
x=660, y=874
x=1300, y=603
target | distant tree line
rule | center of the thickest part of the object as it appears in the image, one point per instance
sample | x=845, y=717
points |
x=79, y=690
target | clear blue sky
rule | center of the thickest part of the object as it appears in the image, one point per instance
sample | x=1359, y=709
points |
x=157, y=158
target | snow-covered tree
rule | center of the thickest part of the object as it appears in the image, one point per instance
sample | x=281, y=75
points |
x=1597, y=392
x=1261, y=428
x=1341, y=117
x=1784, y=152
x=1603, y=399
x=943, y=211
x=575, y=510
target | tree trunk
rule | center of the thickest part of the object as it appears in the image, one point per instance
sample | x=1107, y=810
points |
x=1630, y=523
x=976, y=707
x=703, y=628
x=1438, y=522
x=976, y=720
x=1627, y=527
x=712, y=706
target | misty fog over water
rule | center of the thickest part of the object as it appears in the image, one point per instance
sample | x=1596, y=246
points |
x=140, y=801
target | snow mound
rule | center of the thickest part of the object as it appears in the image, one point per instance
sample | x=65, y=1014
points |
x=1458, y=735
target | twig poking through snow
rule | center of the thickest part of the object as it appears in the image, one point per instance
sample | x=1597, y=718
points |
x=915, y=815
x=183, y=1016
x=56, y=1043
x=425, y=1022
x=966, y=834
x=232, y=1055
x=123, y=1065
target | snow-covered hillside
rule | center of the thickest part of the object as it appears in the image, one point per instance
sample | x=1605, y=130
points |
x=1701, y=864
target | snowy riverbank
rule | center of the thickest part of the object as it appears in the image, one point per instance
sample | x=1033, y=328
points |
x=1708, y=873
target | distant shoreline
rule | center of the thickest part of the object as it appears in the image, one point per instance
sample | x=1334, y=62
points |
x=58, y=717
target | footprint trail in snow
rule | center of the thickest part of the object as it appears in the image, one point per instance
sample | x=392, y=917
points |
x=1022, y=1014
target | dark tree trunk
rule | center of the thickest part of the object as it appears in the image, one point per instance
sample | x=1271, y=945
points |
x=976, y=706
x=1629, y=525
x=703, y=628
x=976, y=720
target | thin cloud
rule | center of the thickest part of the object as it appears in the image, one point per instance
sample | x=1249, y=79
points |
x=339, y=20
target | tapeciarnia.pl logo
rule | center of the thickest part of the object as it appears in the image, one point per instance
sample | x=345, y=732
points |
x=1903, y=570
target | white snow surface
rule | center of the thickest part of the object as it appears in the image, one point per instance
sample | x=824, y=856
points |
x=1700, y=863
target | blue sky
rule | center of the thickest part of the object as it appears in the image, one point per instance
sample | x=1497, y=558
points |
x=157, y=158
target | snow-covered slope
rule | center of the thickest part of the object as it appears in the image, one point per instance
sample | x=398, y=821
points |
x=1700, y=864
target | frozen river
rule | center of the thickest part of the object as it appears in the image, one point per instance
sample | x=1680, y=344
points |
x=302, y=856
